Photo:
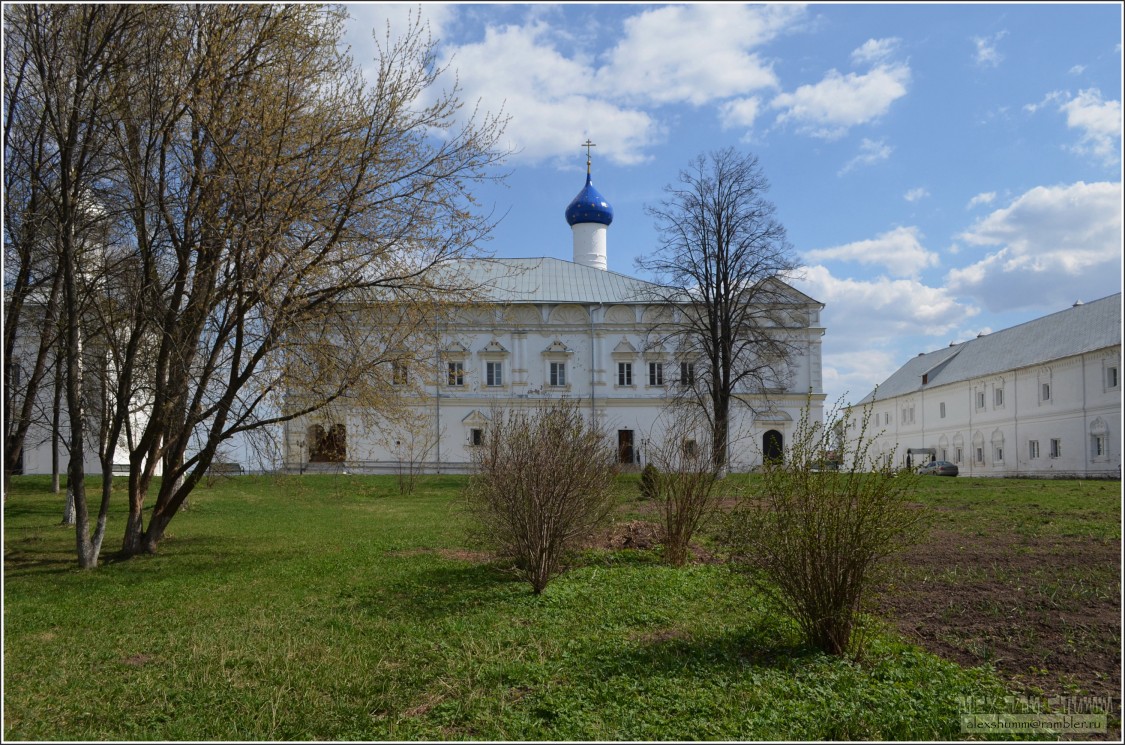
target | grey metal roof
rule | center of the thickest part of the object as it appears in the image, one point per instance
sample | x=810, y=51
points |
x=549, y=280
x=1082, y=328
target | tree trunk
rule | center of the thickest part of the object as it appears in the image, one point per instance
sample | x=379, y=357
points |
x=68, y=508
x=719, y=438
x=134, y=528
x=56, y=418
x=156, y=525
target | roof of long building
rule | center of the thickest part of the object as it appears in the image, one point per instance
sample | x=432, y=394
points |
x=550, y=280
x=1082, y=328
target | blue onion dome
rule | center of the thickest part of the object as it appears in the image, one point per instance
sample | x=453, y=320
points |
x=589, y=206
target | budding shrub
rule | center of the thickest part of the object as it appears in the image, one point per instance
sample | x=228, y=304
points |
x=685, y=485
x=542, y=482
x=818, y=540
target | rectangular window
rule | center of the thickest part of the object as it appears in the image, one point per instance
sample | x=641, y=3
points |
x=558, y=373
x=980, y=455
x=1111, y=377
x=690, y=448
x=960, y=455
x=1045, y=392
x=457, y=373
x=1056, y=448
x=998, y=454
x=624, y=373
x=941, y=411
x=494, y=373
x=399, y=373
x=656, y=373
x=1032, y=449
x=980, y=399
x=886, y=417
x=476, y=437
x=1099, y=446
x=998, y=397
x=687, y=374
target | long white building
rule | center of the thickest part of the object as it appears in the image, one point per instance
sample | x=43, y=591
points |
x=1040, y=399
x=553, y=329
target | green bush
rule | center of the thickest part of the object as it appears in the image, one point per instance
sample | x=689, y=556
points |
x=542, y=483
x=817, y=541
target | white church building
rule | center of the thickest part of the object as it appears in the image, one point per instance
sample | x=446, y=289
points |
x=1041, y=399
x=555, y=329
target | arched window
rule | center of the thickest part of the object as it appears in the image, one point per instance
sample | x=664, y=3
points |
x=773, y=446
x=1099, y=440
x=998, y=446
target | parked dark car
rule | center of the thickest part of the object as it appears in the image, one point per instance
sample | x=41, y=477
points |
x=938, y=468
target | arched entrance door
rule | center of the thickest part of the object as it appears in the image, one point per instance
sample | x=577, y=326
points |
x=328, y=447
x=772, y=446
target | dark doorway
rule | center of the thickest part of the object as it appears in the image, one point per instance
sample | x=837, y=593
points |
x=773, y=446
x=328, y=447
x=624, y=446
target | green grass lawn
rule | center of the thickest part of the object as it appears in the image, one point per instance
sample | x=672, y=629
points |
x=323, y=607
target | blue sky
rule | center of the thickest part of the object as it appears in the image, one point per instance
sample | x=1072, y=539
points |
x=942, y=170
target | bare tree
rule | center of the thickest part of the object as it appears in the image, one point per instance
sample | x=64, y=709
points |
x=70, y=53
x=414, y=439
x=542, y=483
x=286, y=217
x=244, y=231
x=723, y=261
x=32, y=282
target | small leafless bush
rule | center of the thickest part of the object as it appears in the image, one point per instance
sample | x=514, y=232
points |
x=542, y=482
x=817, y=540
x=685, y=484
x=647, y=485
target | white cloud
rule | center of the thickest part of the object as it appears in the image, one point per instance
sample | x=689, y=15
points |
x=987, y=55
x=696, y=53
x=740, y=112
x=1099, y=123
x=1077, y=70
x=875, y=51
x=985, y=197
x=900, y=251
x=1051, y=98
x=829, y=108
x=550, y=97
x=1051, y=245
x=876, y=325
x=916, y=194
x=870, y=152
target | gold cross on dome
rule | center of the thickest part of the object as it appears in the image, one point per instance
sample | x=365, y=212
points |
x=587, y=144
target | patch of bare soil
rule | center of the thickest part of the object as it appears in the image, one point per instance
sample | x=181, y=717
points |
x=1046, y=613
x=639, y=534
x=643, y=535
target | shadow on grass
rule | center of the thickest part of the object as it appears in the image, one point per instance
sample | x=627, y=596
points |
x=761, y=644
x=25, y=563
x=439, y=591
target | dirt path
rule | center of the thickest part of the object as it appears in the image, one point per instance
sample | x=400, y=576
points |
x=1045, y=612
